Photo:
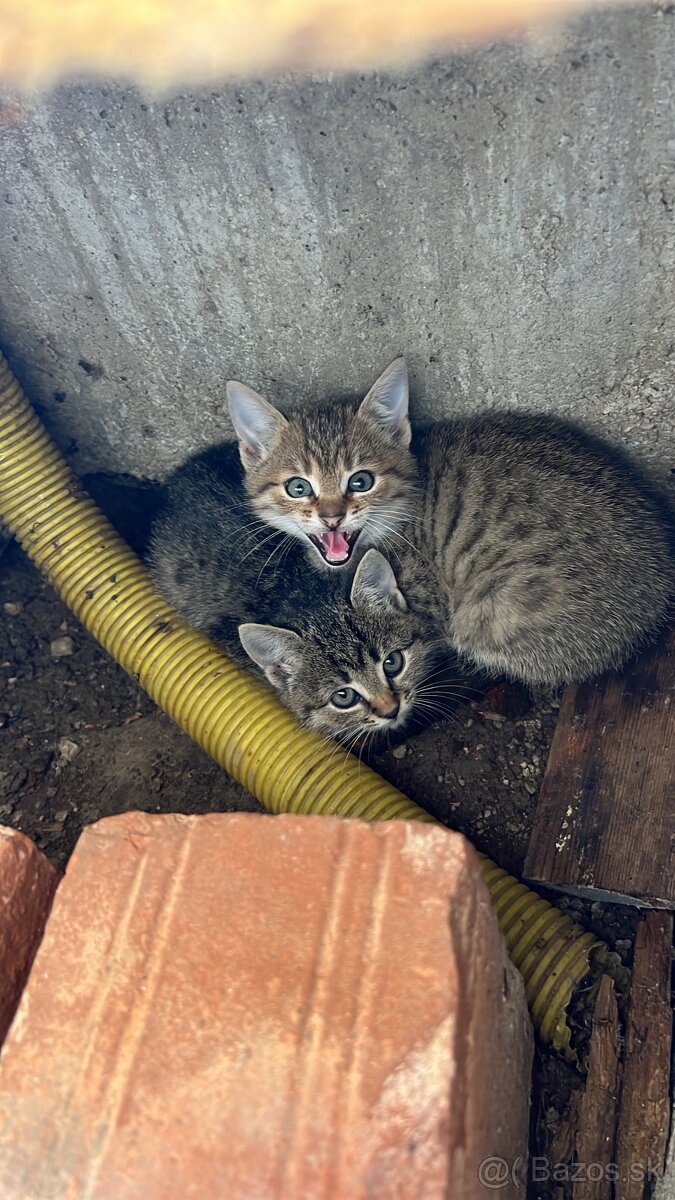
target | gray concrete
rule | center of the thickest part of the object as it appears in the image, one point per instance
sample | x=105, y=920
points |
x=504, y=217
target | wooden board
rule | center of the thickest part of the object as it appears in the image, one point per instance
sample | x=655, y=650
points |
x=584, y=1149
x=612, y=1142
x=605, y=823
x=644, y=1113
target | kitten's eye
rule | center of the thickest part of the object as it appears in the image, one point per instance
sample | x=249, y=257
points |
x=362, y=481
x=345, y=698
x=297, y=487
x=394, y=663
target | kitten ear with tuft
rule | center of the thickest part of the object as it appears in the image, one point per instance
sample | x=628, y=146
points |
x=386, y=404
x=375, y=584
x=257, y=423
x=278, y=652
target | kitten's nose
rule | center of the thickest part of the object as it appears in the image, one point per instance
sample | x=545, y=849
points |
x=385, y=706
x=332, y=520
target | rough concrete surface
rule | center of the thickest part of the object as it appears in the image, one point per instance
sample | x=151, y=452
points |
x=504, y=217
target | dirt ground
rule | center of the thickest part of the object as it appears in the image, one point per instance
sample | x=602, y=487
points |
x=80, y=741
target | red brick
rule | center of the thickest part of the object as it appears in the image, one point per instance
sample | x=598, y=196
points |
x=27, y=883
x=241, y=1007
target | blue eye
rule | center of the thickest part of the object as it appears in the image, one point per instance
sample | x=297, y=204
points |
x=297, y=487
x=345, y=698
x=362, y=481
x=393, y=663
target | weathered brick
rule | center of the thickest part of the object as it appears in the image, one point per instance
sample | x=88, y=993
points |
x=27, y=883
x=240, y=1007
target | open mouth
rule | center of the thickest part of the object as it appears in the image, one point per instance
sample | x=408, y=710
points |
x=335, y=546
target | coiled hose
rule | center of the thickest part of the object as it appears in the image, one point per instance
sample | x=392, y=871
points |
x=234, y=718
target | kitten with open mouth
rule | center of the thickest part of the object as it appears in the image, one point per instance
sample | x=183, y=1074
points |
x=339, y=478
x=335, y=546
x=344, y=652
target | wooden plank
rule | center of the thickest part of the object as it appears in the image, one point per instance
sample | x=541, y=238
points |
x=644, y=1111
x=605, y=824
x=597, y=1109
x=583, y=1152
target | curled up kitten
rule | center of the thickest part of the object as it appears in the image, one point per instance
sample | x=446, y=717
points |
x=345, y=653
x=537, y=550
x=550, y=557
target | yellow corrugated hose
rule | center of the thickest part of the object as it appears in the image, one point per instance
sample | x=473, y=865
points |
x=238, y=721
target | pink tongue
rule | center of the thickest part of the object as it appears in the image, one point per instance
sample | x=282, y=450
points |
x=336, y=545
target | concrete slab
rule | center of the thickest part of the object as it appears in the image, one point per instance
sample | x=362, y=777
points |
x=502, y=216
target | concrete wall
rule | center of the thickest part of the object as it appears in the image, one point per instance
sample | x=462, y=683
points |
x=503, y=217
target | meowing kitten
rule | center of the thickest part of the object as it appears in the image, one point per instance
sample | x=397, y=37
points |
x=541, y=552
x=334, y=477
x=346, y=655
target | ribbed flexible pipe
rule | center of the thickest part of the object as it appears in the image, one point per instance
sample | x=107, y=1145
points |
x=234, y=718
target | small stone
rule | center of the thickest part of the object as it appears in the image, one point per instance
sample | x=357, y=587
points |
x=12, y=609
x=495, y=717
x=530, y=787
x=400, y=751
x=61, y=815
x=62, y=647
x=67, y=752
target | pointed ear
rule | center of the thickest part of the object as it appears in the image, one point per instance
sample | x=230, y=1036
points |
x=278, y=652
x=386, y=404
x=375, y=584
x=257, y=424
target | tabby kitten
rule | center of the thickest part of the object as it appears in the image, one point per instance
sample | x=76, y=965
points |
x=550, y=557
x=334, y=477
x=347, y=656
x=539, y=551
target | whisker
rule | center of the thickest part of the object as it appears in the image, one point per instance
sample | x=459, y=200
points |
x=275, y=533
x=276, y=549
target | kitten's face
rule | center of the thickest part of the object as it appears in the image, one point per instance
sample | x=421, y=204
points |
x=336, y=478
x=358, y=664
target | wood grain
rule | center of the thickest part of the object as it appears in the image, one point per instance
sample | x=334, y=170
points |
x=605, y=823
x=583, y=1152
x=644, y=1112
x=597, y=1110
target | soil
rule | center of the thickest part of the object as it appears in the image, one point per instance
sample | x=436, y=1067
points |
x=79, y=741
